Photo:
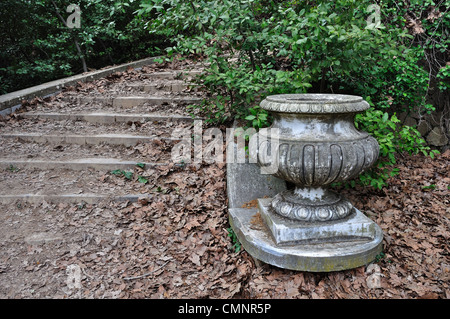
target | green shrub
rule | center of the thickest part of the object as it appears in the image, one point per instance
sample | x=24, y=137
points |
x=36, y=46
x=444, y=78
x=256, y=48
x=393, y=139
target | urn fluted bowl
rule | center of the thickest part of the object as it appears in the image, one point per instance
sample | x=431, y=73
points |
x=316, y=144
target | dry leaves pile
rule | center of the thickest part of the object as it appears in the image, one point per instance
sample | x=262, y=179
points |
x=175, y=244
x=414, y=213
x=414, y=22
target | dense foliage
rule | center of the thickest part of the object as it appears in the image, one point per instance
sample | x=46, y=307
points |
x=36, y=46
x=260, y=47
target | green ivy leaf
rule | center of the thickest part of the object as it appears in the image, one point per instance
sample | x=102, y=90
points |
x=128, y=175
x=142, y=180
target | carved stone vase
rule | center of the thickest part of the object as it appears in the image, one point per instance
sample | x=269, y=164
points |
x=318, y=145
x=312, y=143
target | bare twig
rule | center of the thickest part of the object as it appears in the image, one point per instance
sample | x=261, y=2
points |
x=84, y=272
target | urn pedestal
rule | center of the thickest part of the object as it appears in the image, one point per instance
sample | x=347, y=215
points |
x=312, y=143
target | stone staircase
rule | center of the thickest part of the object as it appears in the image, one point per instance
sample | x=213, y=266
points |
x=57, y=151
x=70, y=227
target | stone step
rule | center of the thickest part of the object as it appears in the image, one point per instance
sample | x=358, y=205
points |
x=61, y=142
x=33, y=126
x=74, y=105
x=173, y=75
x=13, y=151
x=73, y=164
x=107, y=117
x=111, y=139
x=132, y=101
x=165, y=87
x=69, y=198
x=67, y=183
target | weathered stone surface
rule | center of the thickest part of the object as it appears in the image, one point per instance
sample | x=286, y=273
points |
x=284, y=230
x=131, y=101
x=314, y=103
x=68, y=198
x=423, y=128
x=410, y=121
x=312, y=143
x=246, y=183
x=317, y=149
x=299, y=204
x=428, y=125
x=373, y=279
x=437, y=137
x=75, y=164
x=174, y=75
x=435, y=118
x=314, y=257
x=41, y=238
x=168, y=87
x=111, y=139
x=107, y=118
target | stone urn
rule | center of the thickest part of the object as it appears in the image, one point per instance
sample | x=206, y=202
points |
x=312, y=143
x=317, y=145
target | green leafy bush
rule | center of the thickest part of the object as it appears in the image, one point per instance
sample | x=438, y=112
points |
x=36, y=46
x=393, y=139
x=255, y=48
x=444, y=78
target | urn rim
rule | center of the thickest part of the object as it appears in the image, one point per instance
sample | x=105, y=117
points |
x=314, y=103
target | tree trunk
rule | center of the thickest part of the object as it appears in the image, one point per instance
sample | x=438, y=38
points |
x=75, y=41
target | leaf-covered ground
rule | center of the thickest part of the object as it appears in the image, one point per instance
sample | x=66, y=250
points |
x=186, y=229
x=175, y=243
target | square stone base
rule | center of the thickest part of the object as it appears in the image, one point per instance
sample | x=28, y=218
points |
x=355, y=227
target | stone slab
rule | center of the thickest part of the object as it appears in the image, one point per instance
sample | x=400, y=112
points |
x=173, y=75
x=110, y=139
x=74, y=164
x=257, y=240
x=437, y=137
x=77, y=100
x=246, y=183
x=68, y=198
x=169, y=87
x=131, y=101
x=108, y=118
x=43, y=238
x=284, y=230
